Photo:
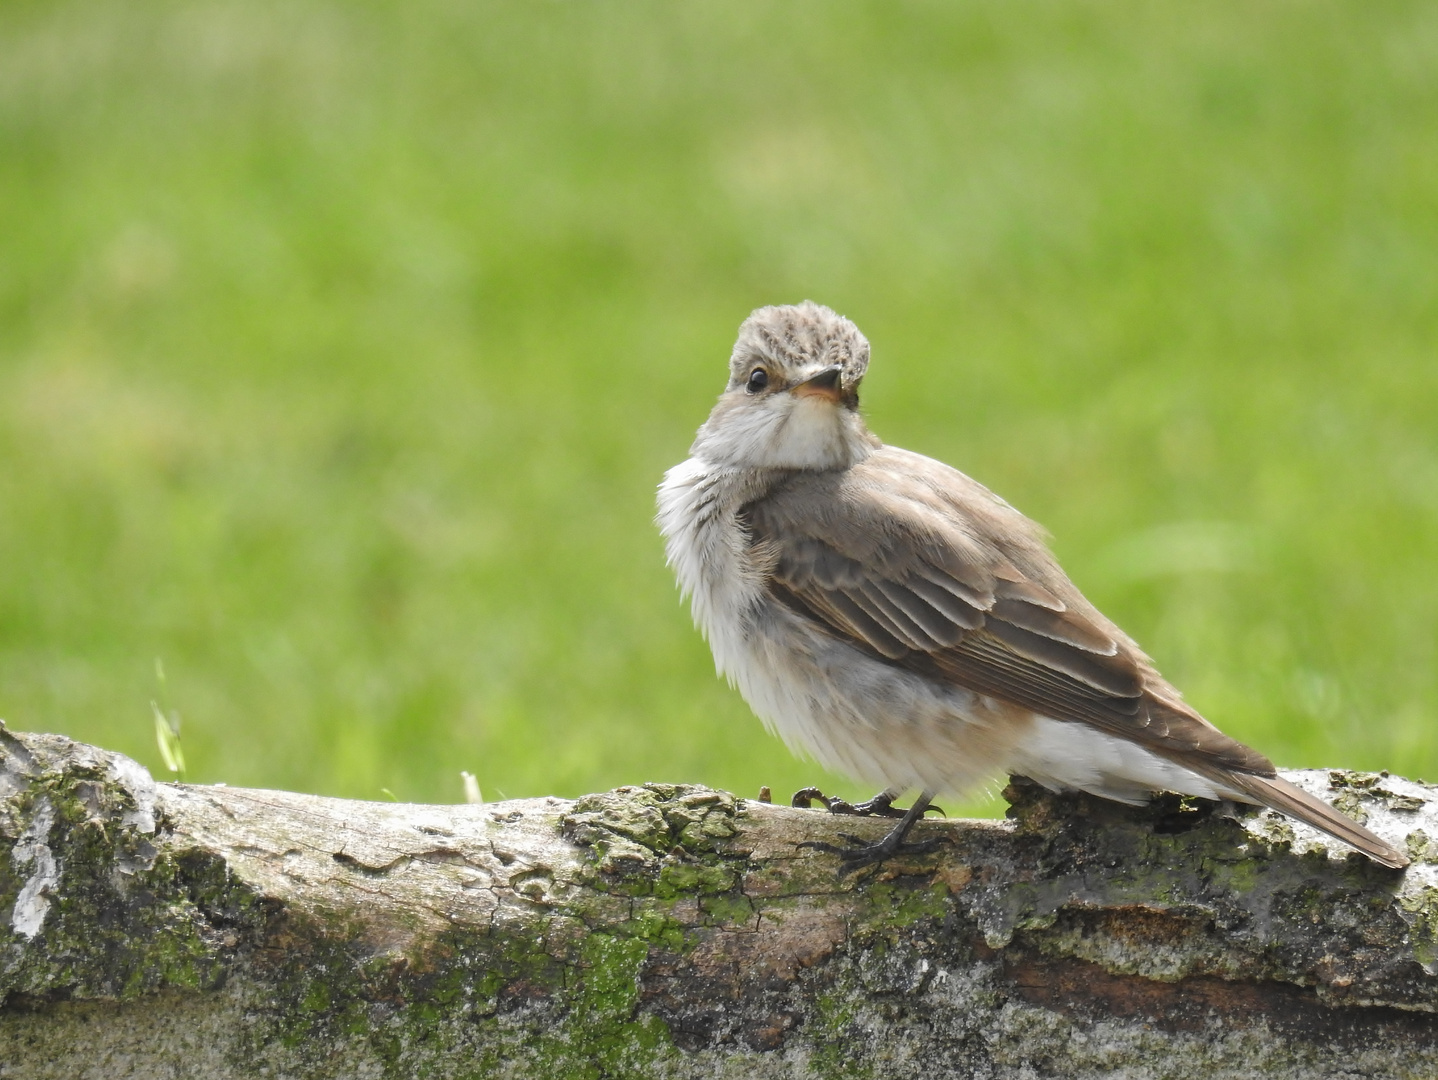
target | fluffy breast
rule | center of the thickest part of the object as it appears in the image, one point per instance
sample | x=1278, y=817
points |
x=855, y=715
x=709, y=552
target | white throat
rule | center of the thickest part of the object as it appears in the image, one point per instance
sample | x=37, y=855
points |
x=783, y=432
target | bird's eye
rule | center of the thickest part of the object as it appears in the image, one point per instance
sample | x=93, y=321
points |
x=758, y=379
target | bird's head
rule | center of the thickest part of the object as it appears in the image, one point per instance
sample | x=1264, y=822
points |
x=793, y=396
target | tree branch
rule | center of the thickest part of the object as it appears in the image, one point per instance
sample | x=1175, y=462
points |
x=675, y=931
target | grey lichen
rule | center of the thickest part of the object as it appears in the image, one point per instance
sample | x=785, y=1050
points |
x=675, y=931
x=35, y=864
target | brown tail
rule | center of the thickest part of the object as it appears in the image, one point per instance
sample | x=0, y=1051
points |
x=1278, y=794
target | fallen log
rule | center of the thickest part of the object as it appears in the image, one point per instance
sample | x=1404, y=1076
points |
x=669, y=930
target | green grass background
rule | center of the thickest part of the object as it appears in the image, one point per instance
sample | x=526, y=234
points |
x=343, y=344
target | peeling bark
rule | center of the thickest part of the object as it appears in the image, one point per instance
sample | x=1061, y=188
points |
x=675, y=931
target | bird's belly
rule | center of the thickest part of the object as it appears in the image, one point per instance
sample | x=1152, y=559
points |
x=861, y=717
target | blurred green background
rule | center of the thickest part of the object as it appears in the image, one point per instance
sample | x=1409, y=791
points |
x=342, y=346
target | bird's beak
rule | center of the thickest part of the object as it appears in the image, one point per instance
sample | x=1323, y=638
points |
x=825, y=385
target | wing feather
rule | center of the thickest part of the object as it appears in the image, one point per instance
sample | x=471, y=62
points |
x=1117, y=675
x=941, y=630
x=1064, y=627
x=954, y=610
x=856, y=622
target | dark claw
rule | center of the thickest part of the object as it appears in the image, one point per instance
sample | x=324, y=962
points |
x=881, y=805
x=804, y=799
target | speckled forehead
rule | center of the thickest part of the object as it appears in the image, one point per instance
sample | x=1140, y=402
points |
x=788, y=339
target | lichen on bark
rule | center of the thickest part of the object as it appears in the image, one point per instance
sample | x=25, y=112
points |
x=670, y=930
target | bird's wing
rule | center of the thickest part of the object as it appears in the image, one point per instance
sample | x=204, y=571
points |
x=919, y=566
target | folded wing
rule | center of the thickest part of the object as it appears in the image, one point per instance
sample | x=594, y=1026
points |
x=919, y=566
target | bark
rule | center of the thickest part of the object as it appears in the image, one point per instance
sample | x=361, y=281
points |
x=675, y=931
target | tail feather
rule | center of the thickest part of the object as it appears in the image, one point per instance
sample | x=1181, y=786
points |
x=1278, y=794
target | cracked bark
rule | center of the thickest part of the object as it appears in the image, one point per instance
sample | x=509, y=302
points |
x=675, y=931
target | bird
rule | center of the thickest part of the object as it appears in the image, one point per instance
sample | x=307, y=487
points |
x=899, y=623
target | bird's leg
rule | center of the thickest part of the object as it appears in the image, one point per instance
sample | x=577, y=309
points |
x=862, y=854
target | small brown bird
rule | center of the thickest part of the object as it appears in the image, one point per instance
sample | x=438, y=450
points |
x=900, y=623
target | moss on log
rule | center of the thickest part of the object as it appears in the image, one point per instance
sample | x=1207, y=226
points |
x=676, y=931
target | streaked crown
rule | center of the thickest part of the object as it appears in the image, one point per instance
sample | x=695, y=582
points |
x=793, y=338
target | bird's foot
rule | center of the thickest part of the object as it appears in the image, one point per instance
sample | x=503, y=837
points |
x=861, y=853
x=881, y=805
